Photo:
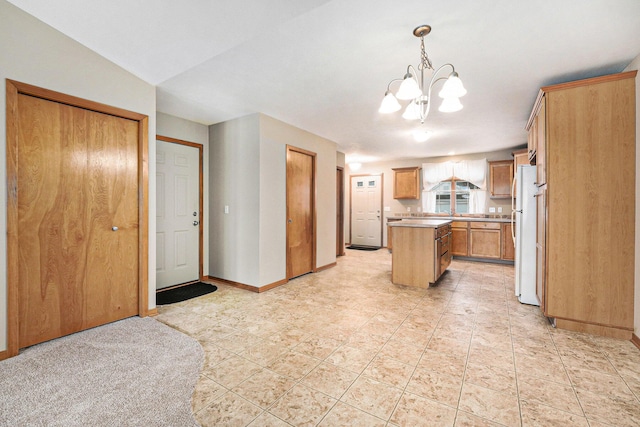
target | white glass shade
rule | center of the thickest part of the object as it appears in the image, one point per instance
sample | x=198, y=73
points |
x=412, y=112
x=389, y=104
x=409, y=88
x=452, y=88
x=421, y=135
x=450, y=105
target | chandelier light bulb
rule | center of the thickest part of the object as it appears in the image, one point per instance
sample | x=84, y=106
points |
x=389, y=104
x=412, y=112
x=409, y=88
x=452, y=87
x=450, y=105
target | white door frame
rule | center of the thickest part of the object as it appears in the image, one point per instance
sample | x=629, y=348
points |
x=200, y=196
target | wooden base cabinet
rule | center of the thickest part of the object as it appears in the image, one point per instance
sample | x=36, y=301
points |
x=508, y=248
x=460, y=238
x=586, y=205
x=485, y=240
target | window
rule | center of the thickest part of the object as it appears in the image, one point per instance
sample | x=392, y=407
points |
x=452, y=197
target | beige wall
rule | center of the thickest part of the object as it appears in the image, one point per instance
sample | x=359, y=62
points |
x=234, y=181
x=34, y=53
x=393, y=206
x=635, y=65
x=175, y=127
x=248, y=174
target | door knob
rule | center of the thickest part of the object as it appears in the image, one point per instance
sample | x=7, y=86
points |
x=195, y=223
x=114, y=228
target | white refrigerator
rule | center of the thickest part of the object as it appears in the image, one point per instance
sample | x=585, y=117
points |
x=524, y=215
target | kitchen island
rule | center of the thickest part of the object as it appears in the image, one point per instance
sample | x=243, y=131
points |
x=420, y=251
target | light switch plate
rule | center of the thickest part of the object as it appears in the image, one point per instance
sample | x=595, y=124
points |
x=492, y=210
x=226, y=209
x=387, y=208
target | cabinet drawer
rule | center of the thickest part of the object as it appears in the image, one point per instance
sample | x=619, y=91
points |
x=441, y=231
x=485, y=225
x=459, y=224
x=444, y=244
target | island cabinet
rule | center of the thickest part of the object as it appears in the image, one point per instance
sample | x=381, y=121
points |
x=485, y=239
x=390, y=232
x=584, y=134
x=421, y=251
x=406, y=183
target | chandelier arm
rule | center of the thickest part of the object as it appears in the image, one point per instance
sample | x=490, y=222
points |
x=389, y=85
x=435, y=73
x=426, y=106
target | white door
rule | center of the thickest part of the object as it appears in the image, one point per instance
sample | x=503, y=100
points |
x=366, y=206
x=178, y=214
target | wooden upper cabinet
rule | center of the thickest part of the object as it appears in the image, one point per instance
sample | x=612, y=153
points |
x=520, y=157
x=541, y=144
x=406, y=183
x=500, y=178
x=532, y=140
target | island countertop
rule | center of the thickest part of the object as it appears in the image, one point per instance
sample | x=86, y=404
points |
x=396, y=217
x=420, y=223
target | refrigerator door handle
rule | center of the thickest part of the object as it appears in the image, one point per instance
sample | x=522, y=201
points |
x=513, y=192
x=513, y=227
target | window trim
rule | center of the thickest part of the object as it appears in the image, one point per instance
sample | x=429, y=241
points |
x=452, y=201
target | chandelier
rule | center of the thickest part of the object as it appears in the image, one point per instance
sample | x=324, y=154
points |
x=414, y=90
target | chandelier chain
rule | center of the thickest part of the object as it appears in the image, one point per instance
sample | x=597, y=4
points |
x=425, y=62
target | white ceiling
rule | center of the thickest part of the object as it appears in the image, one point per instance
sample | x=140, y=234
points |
x=324, y=65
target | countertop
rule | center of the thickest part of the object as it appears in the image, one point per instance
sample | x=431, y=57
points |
x=447, y=218
x=420, y=223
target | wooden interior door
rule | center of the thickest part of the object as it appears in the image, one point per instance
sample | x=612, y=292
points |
x=78, y=219
x=301, y=240
x=339, y=211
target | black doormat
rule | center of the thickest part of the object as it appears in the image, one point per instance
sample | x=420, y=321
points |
x=364, y=248
x=183, y=293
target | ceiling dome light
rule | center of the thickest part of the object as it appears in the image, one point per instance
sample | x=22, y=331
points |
x=421, y=135
x=450, y=105
x=389, y=104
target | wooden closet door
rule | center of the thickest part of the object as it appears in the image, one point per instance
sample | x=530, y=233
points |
x=77, y=180
x=300, y=212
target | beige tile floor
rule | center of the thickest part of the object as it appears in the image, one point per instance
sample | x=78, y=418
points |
x=345, y=347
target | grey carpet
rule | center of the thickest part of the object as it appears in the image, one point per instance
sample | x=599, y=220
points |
x=135, y=372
